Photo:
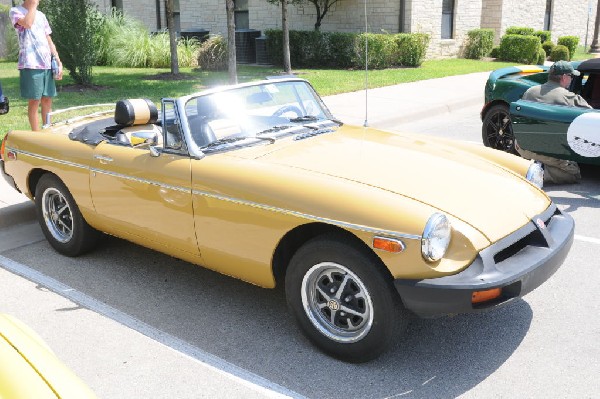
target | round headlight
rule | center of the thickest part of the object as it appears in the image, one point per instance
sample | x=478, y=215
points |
x=535, y=174
x=436, y=237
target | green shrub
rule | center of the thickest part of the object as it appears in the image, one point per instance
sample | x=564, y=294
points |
x=548, y=46
x=340, y=49
x=517, y=48
x=213, y=54
x=75, y=24
x=519, y=30
x=479, y=43
x=382, y=50
x=495, y=53
x=544, y=35
x=12, y=44
x=569, y=42
x=541, y=58
x=410, y=49
x=126, y=42
x=274, y=46
x=560, y=52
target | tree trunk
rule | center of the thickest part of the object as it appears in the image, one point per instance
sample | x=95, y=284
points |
x=231, y=57
x=595, y=48
x=287, y=63
x=172, y=38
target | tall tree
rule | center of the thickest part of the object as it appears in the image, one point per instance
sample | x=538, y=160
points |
x=172, y=38
x=231, y=58
x=322, y=7
x=287, y=64
x=595, y=48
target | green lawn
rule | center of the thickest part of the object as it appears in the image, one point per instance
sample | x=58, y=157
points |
x=119, y=83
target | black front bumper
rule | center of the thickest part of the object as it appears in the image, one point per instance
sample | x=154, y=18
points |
x=517, y=265
x=6, y=177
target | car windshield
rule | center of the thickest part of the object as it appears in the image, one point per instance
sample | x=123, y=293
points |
x=255, y=114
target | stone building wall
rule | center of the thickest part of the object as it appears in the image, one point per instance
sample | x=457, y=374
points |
x=568, y=18
x=491, y=18
x=573, y=19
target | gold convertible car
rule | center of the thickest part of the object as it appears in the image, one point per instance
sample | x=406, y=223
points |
x=260, y=182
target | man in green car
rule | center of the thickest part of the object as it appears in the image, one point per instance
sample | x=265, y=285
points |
x=555, y=91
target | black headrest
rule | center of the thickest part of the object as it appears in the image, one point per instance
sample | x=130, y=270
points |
x=135, y=112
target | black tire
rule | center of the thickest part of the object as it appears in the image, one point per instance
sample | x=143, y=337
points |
x=496, y=130
x=360, y=315
x=60, y=218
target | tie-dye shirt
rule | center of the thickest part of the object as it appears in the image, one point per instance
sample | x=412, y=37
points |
x=34, y=51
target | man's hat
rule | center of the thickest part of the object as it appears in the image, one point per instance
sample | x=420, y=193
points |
x=562, y=68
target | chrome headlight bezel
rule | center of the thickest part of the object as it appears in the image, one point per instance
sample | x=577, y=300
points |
x=436, y=237
x=535, y=174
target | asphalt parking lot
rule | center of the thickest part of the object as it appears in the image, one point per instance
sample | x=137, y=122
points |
x=134, y=323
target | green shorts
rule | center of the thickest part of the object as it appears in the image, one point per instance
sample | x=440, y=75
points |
x=37, y=83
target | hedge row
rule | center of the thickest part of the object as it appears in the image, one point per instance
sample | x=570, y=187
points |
x=522, y=44
x=314, y=49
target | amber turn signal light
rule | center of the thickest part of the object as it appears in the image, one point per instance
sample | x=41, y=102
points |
x=388, y=244
x=485, y=296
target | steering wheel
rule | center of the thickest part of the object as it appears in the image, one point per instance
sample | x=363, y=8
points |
x=288, y=108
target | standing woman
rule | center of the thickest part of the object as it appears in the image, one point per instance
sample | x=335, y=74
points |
x=36, y=49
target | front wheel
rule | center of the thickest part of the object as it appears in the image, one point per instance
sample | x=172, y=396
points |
x=497, y=129
x=60, y=218
x=342, y=300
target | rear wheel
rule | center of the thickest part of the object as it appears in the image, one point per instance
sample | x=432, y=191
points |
x=342, y=300
x=497, y=129
x=60, y=219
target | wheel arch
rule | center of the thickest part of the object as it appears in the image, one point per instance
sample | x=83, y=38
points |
x=492, y=103
x=297, y=237
x=34, y=178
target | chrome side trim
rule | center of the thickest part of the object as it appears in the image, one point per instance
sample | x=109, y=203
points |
x=48, y=159
x=142, y=181
x=367, y=229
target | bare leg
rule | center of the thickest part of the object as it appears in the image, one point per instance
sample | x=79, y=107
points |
x=46, y=108
x=32, y=113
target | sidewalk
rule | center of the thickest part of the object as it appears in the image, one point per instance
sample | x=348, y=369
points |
x=130, y=363
x=392, y=105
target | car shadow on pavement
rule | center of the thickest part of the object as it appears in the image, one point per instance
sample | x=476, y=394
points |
x=251, y=328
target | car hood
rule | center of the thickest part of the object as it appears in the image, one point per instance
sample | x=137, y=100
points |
x=483, y=194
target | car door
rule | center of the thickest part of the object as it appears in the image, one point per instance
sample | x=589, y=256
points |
x=144, y=197
x=556, y=130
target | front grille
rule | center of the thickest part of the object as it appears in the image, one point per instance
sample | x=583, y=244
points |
x=535, y=239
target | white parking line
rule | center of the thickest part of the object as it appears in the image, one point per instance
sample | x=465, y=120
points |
x=587, y=239
x=217, y=364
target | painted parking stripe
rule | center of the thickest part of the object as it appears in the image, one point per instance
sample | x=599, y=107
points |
x=217, y=364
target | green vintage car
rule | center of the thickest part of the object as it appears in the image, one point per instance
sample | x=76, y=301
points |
x=571, y=133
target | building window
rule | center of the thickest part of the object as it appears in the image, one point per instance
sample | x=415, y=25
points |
x=447, y=19
x=548, y=15
x=118, y=4
x=242, y=21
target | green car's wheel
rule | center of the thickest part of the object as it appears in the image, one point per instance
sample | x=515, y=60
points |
x=60, y=219
x=497, y=129
x=342, y=300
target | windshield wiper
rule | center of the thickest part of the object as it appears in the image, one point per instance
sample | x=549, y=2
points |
x=305, y=118
x=229, y=140
x=225, y=140
x=274, y=129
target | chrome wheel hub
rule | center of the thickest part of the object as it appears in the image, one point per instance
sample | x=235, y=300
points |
x=337, y=302
x=57, y=215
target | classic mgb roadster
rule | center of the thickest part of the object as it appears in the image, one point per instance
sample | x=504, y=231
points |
x=259, y=181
